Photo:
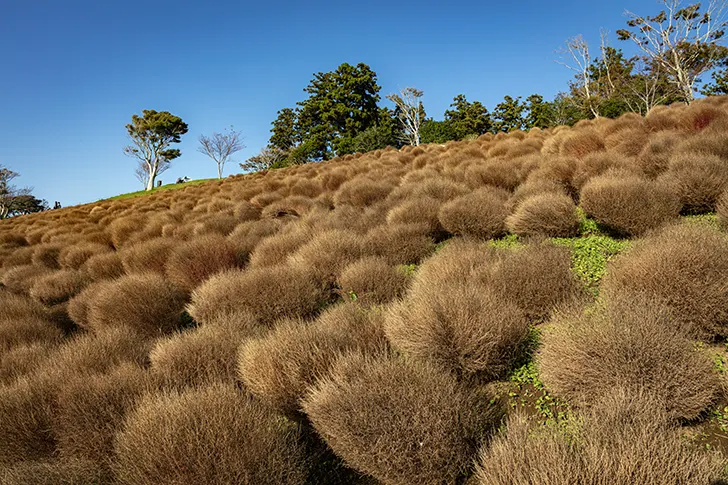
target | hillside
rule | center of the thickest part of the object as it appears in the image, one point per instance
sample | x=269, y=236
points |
x=544, y=307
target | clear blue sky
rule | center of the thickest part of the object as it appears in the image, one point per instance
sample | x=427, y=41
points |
x=73, y=72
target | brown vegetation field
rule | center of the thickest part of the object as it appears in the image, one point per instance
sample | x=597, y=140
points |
x=548, y=307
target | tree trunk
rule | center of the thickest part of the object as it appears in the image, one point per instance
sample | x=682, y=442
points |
x=219, y=170
x=150, y=183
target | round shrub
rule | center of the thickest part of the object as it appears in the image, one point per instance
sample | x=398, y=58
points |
x=406, y=244
x=195, y=261
x=480, y=214
x=146, y=302
x=281, y=366
x=699, y=179
x=580, y=143
x=58, y=286
x=722, y=209
x=463, y=328
x=275, y=249
x=545, y=215
x=76, y=255
x=210, y=435
x=630, y=344
x=268, y=293
x=147, y=256
x=327, y=254
x=685, y=266
x=20, y=279
x=422, y=211
x=53, y=472
x=16, y=332
x=372, y=281
x=399, y=421
x=362, y=192
x=628, y=204
x=104, y=266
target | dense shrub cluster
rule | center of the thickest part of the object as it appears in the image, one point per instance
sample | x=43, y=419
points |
x=365, y=319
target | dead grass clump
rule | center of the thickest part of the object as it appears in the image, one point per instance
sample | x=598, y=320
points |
x=480, y=214
x=248, y=234
x=685, y=267
x=632, y=344
x=76, y=255
x=372, y=281
x=327, y=254
x=362, y=192
x=122, y=228
x=699, y=116
x=560, y=170
x=626, y=440
x=276, y=248
x=47, y=254
x=23, y=359
x=20, y=279
x=195, y=261
x=104, y=266
x=698, y=179
x=722, y=209
x=596, y=164
x=211, y=435
x=497, y=173
x=399, y=421
x=12, y=240
x=628, y=204
x=90, y=409
x=537, y=278
x=545, y=215
x=265, y=198
x=25, y=422
x=19, y=307
x=580, y=143
x=306, y=187
x=463, y=328
x=291, y=206
x=653, y=160
x=18, y=256
x=147, y=256
x=146, y=302
x=53, y=472
x=269, y=293
x=281, y=366
x=422, y=211
x=245, y=211
x=401, y=244
x=14, y=333
x=58, y=286
x=197, y=357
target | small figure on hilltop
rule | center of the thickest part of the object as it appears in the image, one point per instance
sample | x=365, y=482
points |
x=181, y=180
x=57, y=205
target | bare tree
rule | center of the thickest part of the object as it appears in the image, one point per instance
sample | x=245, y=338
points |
x=409, y=112
x=576, y=51
x=682, y=41
x=220, y=146
x=267, y=158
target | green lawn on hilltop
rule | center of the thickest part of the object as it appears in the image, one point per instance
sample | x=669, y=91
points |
x=140, y=193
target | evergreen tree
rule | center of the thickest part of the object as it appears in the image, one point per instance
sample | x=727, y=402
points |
x=508, y=115
x=467, y=118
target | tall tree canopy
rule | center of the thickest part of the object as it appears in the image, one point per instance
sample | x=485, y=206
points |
x=15, y=201
x=468, y=118
x=283, y=134
x=508, y=114
x=151, y=135
x=341, y=104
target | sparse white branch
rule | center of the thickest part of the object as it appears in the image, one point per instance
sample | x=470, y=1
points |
x=409, y=112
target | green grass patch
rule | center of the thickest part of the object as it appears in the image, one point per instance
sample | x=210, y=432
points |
x=590, y=256
x=141, y=193
x=506, y=242
x=710, y=220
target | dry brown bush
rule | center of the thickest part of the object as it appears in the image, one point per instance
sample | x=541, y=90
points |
x=90, y=409
x=269, y=293
x=23, y=359
x=20, y=279
x=546, y=214
x=722, y=209
x=104, y=266
x=19, y=307
x=534, y=187
x=248, y=234
x=683, y=265
x=699, y=116
x=19, y=257
x=245, y=211
x=146, y=302
x=631, y=343
x=58, y=286
x=198, y=357
x=281, y=366
x=537, y=278
x=401, y=244
x=306, y=187
x=596, y=164
x=653, y=160
x=421, y=211
x=265, y=198
x=76, y=255
x=372, y=281
x=698, y=179
x=327, y=254
x=26, y=407
x=53, y=472
x=580, y=143
x=497, y=173
x=626, y=440
x=193, y=262
x=12, y=240
x=361, y=192
x=147, y=256
x=47, y=255
x=628, y=204
x=294, y=205
x=26, y=331
x=480, y=214
x=463, y=328
x=275, y=249
x=122, y=228
x=399, y=421
x=211, y=435
x=560, y=170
